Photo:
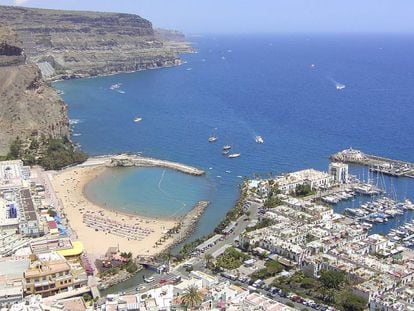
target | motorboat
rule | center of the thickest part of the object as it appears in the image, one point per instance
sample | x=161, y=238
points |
x=115, y=86
x=226, y=147
x=234, y=155
x=259, y=139
x=137, y=119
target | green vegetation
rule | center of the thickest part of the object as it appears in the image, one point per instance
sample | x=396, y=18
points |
x=272, y=201
x=352, y=302
x=131, y=267
x=188, y=248
x=128, y=265
x=263, y=224
x=231, y=259
x=87, y=297
x=332, y=288
x=51, y=212
x=272, y=267
x=126, y=255
x=192, y=297
x=332, y=279
x=235, y=212
x=303, y=190
x=50, y=153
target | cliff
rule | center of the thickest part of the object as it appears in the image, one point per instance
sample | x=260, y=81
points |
x=38, y=44
x=68, y=44
x=28, y=106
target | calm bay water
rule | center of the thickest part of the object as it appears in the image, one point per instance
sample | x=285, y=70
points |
x=239, y=87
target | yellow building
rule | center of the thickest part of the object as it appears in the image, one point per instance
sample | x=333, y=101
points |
x=47, y=275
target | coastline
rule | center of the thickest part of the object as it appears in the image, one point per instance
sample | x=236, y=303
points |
x=90, y=222
x=88, y=76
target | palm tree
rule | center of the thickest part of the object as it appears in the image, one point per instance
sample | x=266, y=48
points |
x=192, y=297
x=208, y=258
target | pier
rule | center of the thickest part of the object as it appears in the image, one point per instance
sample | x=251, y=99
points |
x=375, y=163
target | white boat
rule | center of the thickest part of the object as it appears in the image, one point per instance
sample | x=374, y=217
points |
x=115, y=86
x=226, y=147
x=137, y=119
x=234, y=155
x=226, y=152
x=212, y=138
x=340, y=86
x=259, y=139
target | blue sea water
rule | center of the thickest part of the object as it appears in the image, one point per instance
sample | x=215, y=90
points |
x=151, y=192
x=242, y=86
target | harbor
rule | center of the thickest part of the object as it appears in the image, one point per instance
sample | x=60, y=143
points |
x=375, y=163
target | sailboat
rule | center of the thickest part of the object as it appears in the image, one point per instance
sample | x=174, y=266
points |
x=212, y=138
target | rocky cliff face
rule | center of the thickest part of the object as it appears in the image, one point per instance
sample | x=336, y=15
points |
x=28, y=106
x=38, y=44
x=75, y=44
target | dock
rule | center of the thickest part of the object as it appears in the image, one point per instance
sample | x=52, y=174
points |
x=375, y=163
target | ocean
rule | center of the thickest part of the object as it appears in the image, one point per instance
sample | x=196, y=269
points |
x=282, y=87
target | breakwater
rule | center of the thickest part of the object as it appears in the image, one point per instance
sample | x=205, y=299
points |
x=128, y=160
x=188, y=222
x=375, y=163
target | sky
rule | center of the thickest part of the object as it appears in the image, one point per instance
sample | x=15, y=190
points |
x=255, y=16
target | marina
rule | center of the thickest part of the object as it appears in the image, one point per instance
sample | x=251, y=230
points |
x=375, y=163
x=403, y=235
x=379, y=210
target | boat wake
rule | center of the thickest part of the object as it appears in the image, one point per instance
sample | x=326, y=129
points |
x=169, y=196
x=338, y=85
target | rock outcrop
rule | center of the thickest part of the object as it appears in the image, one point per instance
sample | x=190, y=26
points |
x=68, y=44
x=28, y=106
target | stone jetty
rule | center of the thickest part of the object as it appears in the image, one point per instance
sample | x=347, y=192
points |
x=129, y=160
x=375, y=163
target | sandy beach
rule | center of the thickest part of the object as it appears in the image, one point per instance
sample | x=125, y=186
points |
x=99, y=228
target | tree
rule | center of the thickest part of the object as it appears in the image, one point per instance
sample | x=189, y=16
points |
x=192, y=297
x=332, y=279
x=352, y=302
x=15, y=149
x=208, y=258
x=51, y=212
x=273, y=267
x=303, y=190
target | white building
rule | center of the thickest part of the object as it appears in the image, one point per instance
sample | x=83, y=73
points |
x=13, y=174
x=315, y=179
x=339, y=171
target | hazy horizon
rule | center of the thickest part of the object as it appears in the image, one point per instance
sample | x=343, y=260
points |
x=261, y=16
